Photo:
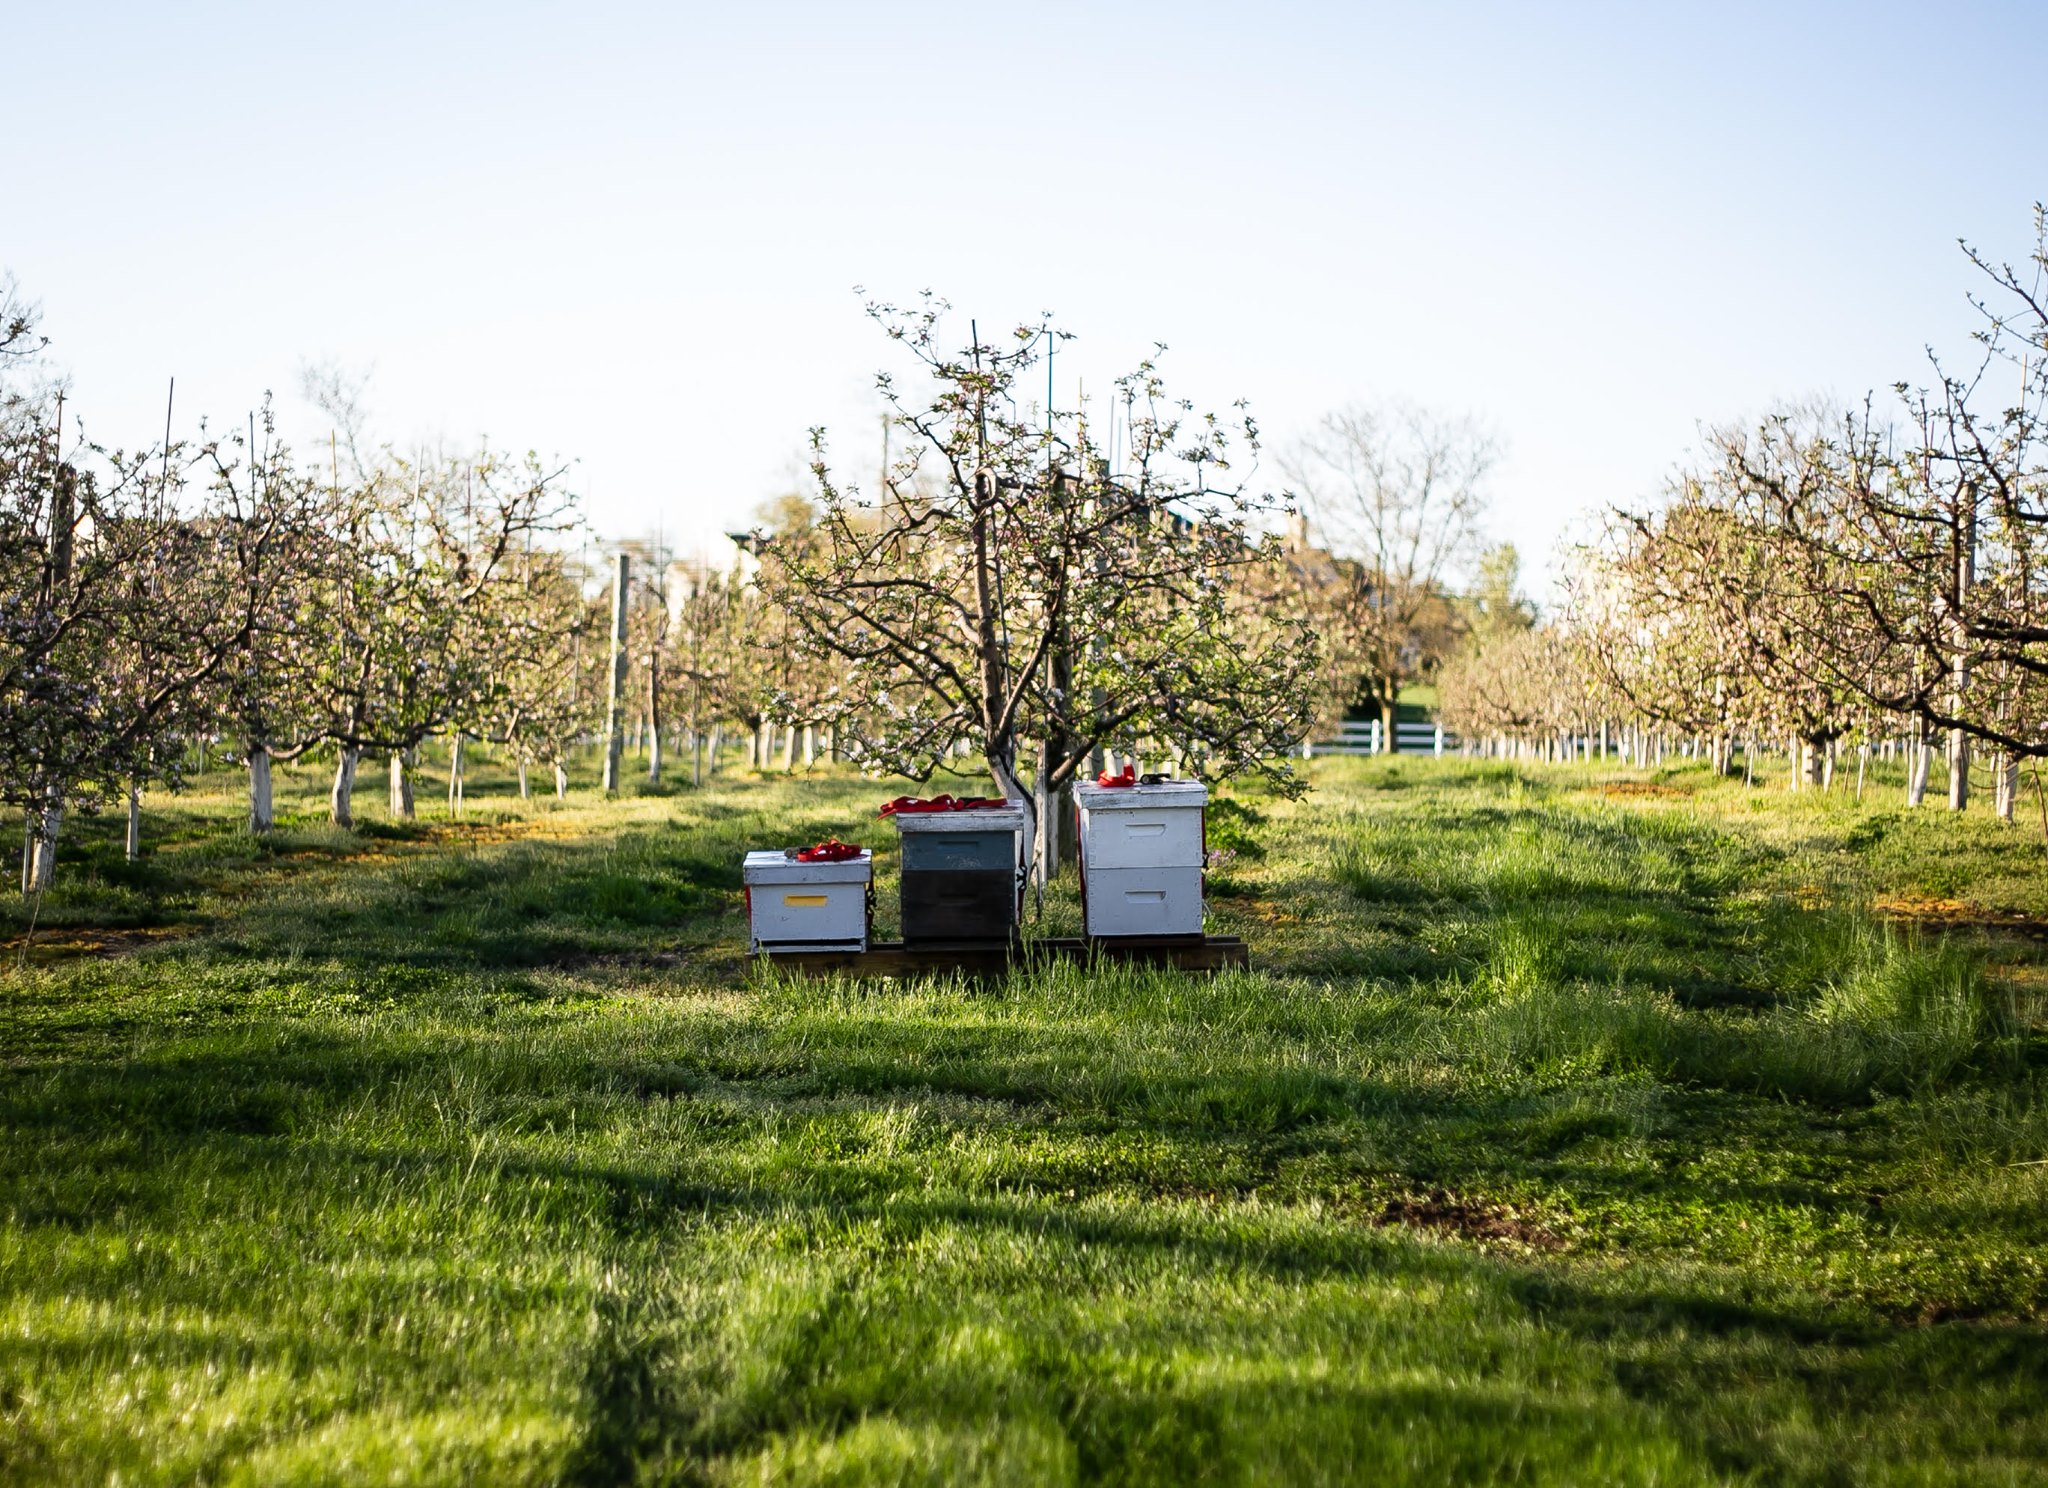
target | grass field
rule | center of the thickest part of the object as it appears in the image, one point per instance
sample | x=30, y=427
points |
x=1573, y=1126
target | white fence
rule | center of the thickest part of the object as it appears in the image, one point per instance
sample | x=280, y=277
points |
x=1363, y=737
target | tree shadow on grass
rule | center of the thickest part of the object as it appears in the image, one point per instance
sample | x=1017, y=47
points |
x=248, y=1107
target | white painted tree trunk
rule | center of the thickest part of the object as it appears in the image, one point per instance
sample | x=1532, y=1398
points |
x=455, y=776
x=525, y=791
x=42, y=867
x=134, y=844
x=1047, y=847
x=398, y=799
x=1958, y=770
x=1918, y=755
x=1010, y=788
x=614, y=722
x=561, y=781
x=789, y=748
x=341, y=799
x=1862, y=761
x=2008, y=786
x=810, y=745
x=262, y=811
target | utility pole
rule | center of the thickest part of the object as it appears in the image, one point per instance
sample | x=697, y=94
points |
x=1958, y=741
x=614, y=733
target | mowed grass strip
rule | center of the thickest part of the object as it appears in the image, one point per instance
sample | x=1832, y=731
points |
x=1557, y=1136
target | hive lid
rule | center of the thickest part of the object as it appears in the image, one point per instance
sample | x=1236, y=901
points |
x=1167, y=793
x=1008, y=818
x=773, y=865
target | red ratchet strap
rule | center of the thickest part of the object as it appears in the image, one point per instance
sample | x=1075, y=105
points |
x=911, y=805
x=1128, y=777
x=831, y=850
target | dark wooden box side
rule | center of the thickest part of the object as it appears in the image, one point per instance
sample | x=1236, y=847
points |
x=959, y=905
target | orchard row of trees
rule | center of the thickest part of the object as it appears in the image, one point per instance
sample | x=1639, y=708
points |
x=1873, y=576
x=217, y=595
x=1030, y=592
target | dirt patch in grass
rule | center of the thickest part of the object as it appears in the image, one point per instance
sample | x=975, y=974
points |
x=1633, y=788
x=1958, y=914
x=1269, y=912
x=63, y=944
x=1468, y=1219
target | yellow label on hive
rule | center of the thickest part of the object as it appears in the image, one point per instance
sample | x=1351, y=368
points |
x=804, y=901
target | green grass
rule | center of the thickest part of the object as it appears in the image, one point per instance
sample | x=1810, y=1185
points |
x=1555, y=1137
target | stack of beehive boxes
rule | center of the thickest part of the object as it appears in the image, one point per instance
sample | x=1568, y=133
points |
x=1142, y=858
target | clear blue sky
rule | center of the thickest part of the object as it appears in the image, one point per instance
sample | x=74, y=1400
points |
x=631, y=233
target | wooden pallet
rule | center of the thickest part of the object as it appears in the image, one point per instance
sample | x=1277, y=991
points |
x=892, y=958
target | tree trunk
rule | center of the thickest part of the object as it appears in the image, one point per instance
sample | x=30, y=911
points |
x=653, y=721
x=1047, y=801
x=1918, y=754
x=2008, y=785
x=398, y=798
x=341, y=799
x=1862, y=761
x=1010, y=788
x=455, y=776
x=525, y=790
x=1958, y=770
x=810, y=745
x=262, y=816
x=789, y=748
x=1388, y=738
x=42, y=855
x=614, y=722
x=561, y=780
x=134, y=844
x=711, y=748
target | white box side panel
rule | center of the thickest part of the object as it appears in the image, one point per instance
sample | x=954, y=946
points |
x=1144, y=901
x=809, y=914
x=1161, y=837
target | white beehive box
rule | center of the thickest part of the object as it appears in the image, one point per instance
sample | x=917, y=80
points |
x=794, y=906
x=1141, y=858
